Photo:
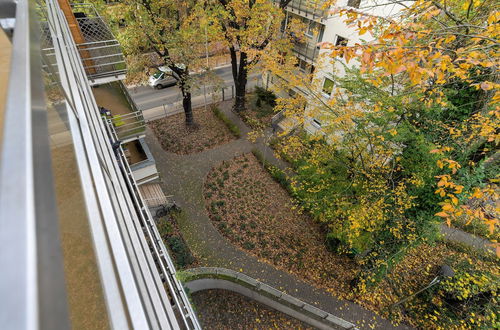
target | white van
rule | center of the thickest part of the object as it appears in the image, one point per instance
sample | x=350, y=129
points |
x=163, y=77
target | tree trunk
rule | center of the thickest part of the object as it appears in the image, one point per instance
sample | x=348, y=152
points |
x=187, y=105
x=240, y=74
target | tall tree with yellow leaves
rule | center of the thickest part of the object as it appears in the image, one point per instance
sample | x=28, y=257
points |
x=170, y=30
x=250, y=29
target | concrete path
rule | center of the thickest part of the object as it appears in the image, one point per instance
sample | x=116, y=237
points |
x=183, y=176
x=460, y=236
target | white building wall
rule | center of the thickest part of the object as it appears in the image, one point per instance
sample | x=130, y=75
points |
x=334, y=26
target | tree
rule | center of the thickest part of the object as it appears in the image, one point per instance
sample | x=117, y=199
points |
x=248, y=27
x=422, y=106
x=165, y=33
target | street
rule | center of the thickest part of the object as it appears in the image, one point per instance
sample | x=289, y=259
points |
x=149, y=99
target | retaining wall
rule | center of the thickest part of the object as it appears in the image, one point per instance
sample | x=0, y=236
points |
x=205, y=278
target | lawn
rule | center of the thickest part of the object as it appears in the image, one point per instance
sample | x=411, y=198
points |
x=257, y=214
x=175, y=137
x=222, y=309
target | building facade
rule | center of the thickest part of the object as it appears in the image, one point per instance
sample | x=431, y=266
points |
x=326, y=26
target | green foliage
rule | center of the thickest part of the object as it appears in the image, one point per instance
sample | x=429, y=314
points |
x=265, y=96
x=373, y=189
x=230, y=125
x=181, y=253
x=165, y=227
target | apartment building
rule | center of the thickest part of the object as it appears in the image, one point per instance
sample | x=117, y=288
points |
x=80, y=248
x=324, y=25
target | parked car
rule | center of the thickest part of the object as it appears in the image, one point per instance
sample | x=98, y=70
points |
x=163, y=77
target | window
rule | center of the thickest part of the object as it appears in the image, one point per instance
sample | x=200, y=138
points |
x=327, y=87
x=310, y=29
x=302, y=65
x=354, y=3
x=341, y=41
x=321, y=31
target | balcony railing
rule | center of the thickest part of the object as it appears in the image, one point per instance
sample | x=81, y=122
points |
x=129, y=127
x=61, y=176
x=312, y=9
x=307, y=51
x=126, y=117
x=101, y=53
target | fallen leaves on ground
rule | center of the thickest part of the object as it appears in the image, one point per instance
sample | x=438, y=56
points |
x=222, y=309
x=257, y=214
x=176, y=137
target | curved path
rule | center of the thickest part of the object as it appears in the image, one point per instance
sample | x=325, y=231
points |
x=207, y=278
x=183, y=176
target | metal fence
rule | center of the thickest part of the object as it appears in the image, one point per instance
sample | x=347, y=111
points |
x=101, y=52
x=198, y=101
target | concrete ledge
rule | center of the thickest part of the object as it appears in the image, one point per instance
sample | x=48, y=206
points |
x=205, y=278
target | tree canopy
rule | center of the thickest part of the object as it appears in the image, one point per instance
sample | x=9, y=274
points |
x=410, y=134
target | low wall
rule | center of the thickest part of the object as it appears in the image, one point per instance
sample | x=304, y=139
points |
x=205, y=278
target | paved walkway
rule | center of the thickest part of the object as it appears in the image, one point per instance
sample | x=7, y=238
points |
x=460, y=236
x=183, y=176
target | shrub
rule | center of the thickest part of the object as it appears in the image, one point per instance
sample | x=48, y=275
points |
x=164, y=227
x=182, y=255
x=265, y=96
x=230, y=125
x=277, y=174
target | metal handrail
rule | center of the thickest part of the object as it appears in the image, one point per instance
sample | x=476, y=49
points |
x=132, y=286
x=308, y=8
x=30, y=257
x=224, y=274
x=166, y=266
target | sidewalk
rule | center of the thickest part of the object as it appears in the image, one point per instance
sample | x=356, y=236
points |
x=198, y=101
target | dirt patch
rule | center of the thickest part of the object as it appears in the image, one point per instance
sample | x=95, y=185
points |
x=176, y=137
x=257, y=214
x=222, y=309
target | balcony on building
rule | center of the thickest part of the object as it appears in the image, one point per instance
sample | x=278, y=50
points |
x=305, y=48
x=101, y=54
x=118, y=107
x=141, y=161
x=306, y=51
x=310, y=9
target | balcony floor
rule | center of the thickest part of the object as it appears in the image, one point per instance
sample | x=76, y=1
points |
x=111, y=97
